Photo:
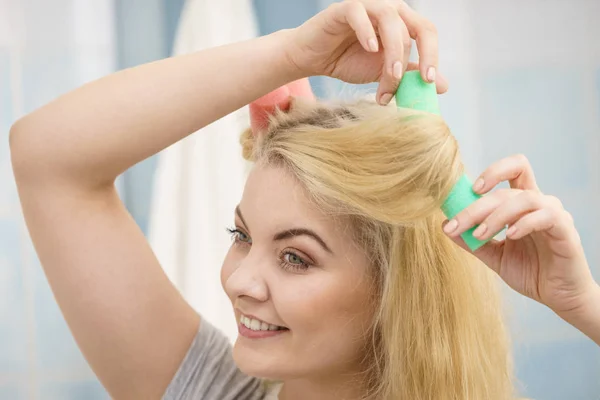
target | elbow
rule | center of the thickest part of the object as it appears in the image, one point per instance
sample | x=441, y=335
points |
x=16, y=147
x=21, y=152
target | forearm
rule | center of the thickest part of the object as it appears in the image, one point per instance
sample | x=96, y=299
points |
x=587, y=319
x=94, y=133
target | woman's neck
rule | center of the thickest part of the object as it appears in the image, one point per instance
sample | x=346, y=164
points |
x=342, y=388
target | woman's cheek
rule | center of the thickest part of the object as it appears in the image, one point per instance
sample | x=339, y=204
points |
x=228, y=267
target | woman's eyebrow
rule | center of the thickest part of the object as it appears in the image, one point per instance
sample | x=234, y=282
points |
x=239, y=214
x=289, y=233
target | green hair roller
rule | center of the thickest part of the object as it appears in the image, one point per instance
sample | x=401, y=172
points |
x=417, y=94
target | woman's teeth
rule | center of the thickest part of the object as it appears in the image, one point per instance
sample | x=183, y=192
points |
x=257, y=325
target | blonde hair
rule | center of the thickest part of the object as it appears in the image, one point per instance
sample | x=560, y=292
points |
x=439, y=331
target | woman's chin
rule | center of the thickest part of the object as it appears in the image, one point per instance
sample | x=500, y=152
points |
x=259, y=364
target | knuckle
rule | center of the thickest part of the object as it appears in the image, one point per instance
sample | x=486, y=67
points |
x=504, y=193
x=385, y=10
x=466, y=216
x=569, y=216
x=522, y=159
x=427, y=27
x=335, y=7
x=353, y=5
x=532, y=198
x=554, y=202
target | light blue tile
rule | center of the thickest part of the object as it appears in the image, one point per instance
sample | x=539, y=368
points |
x=48, y=71
x=13, y=334
x=12, y=392
x=56, y=348
x=559, y=371
x=8, y=193
x=5, y=97
x=598, y=92
x=538, y=112
x=9, y=199
x=88, y=390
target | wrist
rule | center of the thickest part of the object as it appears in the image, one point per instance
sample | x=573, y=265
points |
x=283, y=45
x=586, y=318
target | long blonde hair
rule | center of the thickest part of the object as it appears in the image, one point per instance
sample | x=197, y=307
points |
x=439, y=331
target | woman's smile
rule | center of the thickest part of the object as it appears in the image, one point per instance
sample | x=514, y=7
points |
x=254, y=328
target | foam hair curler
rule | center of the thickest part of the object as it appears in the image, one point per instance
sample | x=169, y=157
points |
x=417, y=94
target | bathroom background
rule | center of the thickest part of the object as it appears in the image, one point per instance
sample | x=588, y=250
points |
x=524, y=78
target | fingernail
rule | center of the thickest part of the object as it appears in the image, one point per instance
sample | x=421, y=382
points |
x=478, y=185
x=451, y=226
x=431, y=74
x=373, y=45
x=480, y=231
x=397, y=70
x=385, y=98
x=511, y=231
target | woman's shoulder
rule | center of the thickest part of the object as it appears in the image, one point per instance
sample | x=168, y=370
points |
x=209, y=372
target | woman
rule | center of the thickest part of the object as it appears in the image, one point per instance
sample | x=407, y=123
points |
x=342, y=282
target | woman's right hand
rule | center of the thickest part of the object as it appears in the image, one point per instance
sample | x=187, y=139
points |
x=363, y=41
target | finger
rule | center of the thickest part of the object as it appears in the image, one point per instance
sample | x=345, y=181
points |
x=425, y=34
x=538, y=221
x=552, y=219
x=478, y=211
x=515, y=169
x=356, y=16
x=396, y=47
x=489, y=253
x=511, y=211
x=441, y=83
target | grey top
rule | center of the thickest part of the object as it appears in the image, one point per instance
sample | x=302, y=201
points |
x=209, y=372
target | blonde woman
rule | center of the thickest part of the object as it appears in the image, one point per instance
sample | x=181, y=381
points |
x=345, y=280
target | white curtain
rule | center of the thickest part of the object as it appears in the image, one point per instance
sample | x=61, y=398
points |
x=200, y=179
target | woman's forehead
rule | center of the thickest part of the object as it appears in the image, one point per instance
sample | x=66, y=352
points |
x=273, y=196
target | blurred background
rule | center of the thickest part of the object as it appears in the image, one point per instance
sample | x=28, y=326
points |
x=524, y=78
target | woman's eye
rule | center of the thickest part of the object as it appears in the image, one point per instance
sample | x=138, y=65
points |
x=294, y=262
x=293, y=259
x=242, y=237
x=239, y=236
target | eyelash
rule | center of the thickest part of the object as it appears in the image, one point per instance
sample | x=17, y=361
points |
x=235, y=236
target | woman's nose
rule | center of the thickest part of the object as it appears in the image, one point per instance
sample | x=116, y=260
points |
x=248, y=278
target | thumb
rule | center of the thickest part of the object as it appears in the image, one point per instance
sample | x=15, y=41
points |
x=490, y=253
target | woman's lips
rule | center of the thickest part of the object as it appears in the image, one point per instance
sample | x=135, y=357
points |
x=252, y=334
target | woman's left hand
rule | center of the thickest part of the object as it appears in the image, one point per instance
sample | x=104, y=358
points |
x=542, y=256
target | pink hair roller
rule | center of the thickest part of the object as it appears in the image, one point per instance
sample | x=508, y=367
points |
x=263, y=107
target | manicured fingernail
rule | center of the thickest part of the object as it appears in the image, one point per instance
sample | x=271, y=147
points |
x=511, y=231
x=478, y=185
x=431, y=74
x=451, y=226
x=480, y=231
x=373, y=45
x=397, y=70
x=385, y=98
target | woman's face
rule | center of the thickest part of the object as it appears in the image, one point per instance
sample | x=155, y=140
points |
x=291, y=266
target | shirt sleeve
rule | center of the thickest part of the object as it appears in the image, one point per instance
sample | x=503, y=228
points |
x=209, y=372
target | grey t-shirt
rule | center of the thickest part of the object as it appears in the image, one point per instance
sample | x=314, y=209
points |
x=208, y=372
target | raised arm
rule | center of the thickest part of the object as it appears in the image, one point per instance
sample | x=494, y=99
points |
x=131, y=324
x=91, y=135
